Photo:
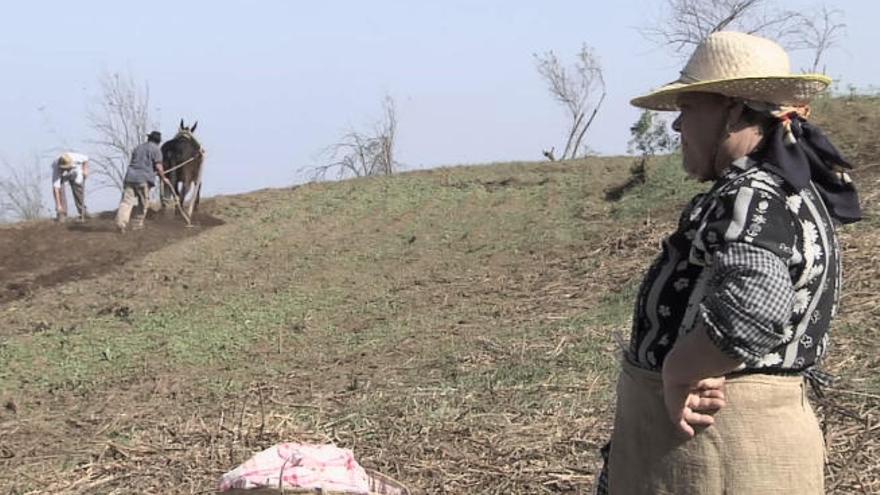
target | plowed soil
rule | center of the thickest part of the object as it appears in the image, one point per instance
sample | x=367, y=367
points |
x=45, y=253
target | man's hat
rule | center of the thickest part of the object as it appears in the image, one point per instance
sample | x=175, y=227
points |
x=741, y=66
x=155, y=136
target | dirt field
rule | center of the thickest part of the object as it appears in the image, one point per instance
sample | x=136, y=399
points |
x=46, y=254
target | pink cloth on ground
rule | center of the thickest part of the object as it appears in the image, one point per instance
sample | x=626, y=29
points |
x=294, y=465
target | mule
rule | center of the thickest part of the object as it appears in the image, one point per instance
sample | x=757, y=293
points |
x=182, y=157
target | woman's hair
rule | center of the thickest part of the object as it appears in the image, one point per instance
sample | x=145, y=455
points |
x=760, y=117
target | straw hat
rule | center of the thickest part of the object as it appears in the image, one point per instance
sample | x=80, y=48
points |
x=739, y=65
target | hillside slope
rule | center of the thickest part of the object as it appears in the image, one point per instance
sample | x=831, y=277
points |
x=455, y=327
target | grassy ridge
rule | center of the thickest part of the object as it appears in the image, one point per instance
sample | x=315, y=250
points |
x=378, y=235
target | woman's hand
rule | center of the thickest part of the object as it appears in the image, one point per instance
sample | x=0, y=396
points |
x=692, y=405
x=691, y=393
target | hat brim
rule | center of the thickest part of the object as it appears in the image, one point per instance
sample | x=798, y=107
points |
x=782, y=90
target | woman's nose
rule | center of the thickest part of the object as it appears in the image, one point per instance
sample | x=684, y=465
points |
x=676, y=124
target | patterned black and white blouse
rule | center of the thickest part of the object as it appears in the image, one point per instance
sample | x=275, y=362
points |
x=758, y=261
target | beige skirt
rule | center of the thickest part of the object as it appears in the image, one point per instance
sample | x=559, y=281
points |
x=765, y=441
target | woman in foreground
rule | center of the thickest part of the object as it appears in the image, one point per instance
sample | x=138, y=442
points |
x=733, y=315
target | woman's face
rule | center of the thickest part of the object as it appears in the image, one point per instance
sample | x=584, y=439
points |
x=702, y=124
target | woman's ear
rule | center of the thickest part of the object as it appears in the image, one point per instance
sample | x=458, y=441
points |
x=735, y=113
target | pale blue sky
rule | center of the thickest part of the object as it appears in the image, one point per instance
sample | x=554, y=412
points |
x=273, y=82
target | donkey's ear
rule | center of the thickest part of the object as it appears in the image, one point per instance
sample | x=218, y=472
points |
x=181, y=123
x=193, y=128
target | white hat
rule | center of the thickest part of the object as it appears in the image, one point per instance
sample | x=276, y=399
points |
x=742, y=66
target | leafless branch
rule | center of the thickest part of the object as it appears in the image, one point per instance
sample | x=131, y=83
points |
x=687, y=23
x=361, y=154
x=120, y=120
x=21, y=192
x=580, y=89
x=818, y=33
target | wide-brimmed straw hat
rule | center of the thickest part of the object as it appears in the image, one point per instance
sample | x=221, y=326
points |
x=742, y=66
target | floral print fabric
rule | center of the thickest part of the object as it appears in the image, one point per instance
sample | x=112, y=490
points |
x=758, y=262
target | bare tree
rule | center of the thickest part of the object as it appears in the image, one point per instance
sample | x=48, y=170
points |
x=21, y=192
x=818, y=33
x=120, y=120
x=580, y=89
x=362, y=154
x=687, y=23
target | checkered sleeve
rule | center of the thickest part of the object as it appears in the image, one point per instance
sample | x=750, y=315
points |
x=748, y=302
